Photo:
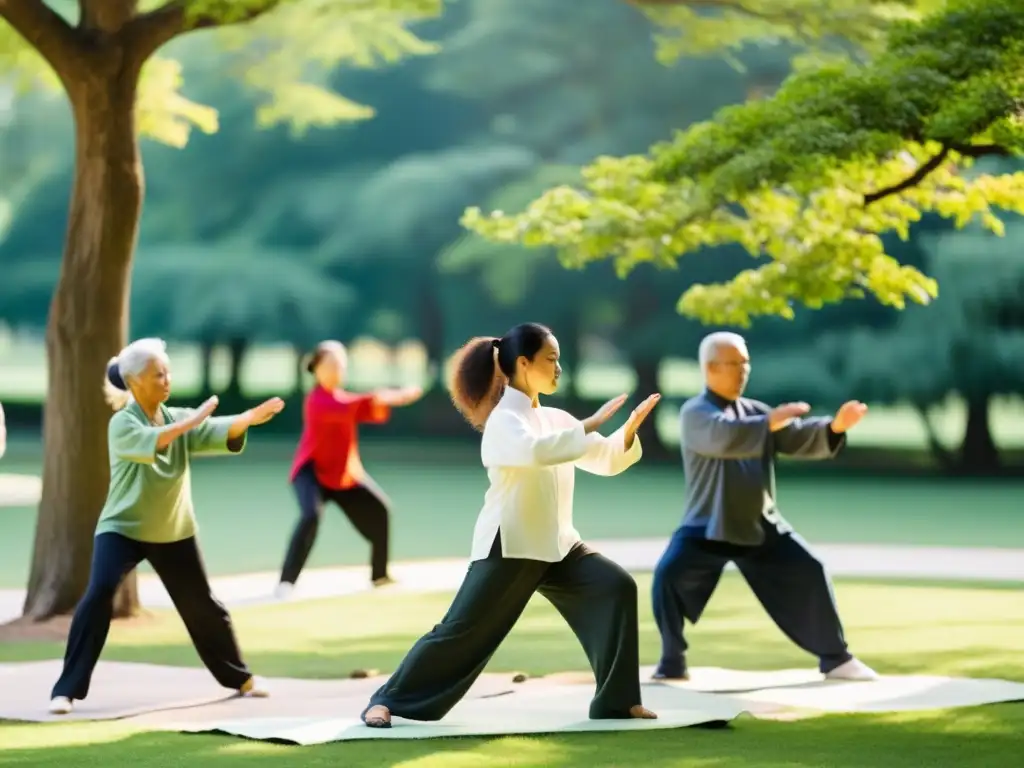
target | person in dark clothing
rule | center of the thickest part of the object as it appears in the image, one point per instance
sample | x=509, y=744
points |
x=148, y=515
x=729, y=444
x=327, y=466
x=525, y=541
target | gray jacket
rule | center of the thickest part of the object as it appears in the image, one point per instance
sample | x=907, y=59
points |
x=729, y=463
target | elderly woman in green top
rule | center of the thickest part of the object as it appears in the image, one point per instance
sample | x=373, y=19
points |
x=148, y=516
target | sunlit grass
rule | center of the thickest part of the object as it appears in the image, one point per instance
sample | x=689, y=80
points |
x=898, y=627
x=953, y=630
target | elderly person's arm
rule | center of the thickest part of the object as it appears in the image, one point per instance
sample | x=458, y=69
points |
x=706, y=430
x=132, y=440
x=227, y=434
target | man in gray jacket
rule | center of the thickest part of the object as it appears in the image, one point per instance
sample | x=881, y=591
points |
x=729, y=444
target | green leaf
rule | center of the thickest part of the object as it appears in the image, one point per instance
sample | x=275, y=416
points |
x=789, y=178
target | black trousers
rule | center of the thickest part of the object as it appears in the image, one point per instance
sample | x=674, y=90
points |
x=364, y=505
x=180, y=567
x=595, y=596
x=788, y=580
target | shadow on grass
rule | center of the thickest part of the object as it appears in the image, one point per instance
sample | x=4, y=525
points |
x=899, y=629
x=983, y=737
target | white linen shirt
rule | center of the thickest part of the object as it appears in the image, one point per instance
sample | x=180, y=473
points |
x=530, y=455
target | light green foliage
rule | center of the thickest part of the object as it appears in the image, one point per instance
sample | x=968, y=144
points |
x=163, y=113
x=708, y=28
x=287, y=54
x=970, y=343
x=808, y=180
x=506, y=269
x=285, y=50
x=21, y=68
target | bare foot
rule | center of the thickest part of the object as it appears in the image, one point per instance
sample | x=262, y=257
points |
x=378, y=717
x=640, y=712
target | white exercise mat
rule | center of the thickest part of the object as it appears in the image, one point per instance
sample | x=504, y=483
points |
x=543, y=711
x=719, y=680
x=889, y=694
x=155, y=694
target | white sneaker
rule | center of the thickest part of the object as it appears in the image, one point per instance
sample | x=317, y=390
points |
x=284, y=590
x=854, y=669
x=61, y=705
x=255, y=688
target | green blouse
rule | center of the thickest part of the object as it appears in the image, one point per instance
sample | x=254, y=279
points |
x=150, y=495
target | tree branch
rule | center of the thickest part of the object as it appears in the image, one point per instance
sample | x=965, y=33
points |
x=149, y=31
x=912, y=180
x=46, y=31
x=933, y=163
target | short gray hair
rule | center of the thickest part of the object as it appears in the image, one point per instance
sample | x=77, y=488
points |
x=129, y=363
x=713, y=342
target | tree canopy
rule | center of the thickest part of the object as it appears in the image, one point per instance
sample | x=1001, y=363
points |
x=809, y=180
x=284, y=50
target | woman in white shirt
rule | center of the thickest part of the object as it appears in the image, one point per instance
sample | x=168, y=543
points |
x=524, y=541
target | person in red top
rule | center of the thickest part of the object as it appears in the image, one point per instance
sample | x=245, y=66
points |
x=327, y=465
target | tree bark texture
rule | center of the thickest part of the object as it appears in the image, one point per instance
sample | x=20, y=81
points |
x=87, y=325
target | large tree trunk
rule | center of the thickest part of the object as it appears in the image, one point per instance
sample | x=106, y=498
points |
x=300, y=371
x=431, y=323
x=206, y=363
x=942, y=455
x=978, y=452
x=87, y=325
x=646, y=385
x=237, y=347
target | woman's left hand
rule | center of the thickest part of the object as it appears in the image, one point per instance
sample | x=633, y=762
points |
x=637, y=417
x=265, y=411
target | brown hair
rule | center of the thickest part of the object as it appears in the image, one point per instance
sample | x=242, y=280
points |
x=323, y=348
x=483, y=366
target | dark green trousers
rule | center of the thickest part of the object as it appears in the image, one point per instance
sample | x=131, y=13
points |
x=596, y=597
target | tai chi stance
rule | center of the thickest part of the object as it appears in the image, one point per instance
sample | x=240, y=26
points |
x=524, y=540
x=327, y=465
x=729, y=444
x=148, y=515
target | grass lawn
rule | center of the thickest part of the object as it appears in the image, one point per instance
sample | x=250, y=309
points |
x=435, y=506
x=898, y=627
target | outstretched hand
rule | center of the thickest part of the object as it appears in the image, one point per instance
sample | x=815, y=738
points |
x=637, y=417
x=602, y=414
x=204, y=411
x=848, y=416
x=782, y=416
x=265, y=411
x=399, y=397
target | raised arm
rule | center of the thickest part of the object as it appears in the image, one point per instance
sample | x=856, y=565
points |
x=608, y=456
x=227, y=434
x=218, y=436
x=509, y=441
x=131, y=440
x=328, y=408
x=398, y=397
x=809, y=439
x=707, y=431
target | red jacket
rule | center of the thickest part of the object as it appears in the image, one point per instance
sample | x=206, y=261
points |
x=330, y=435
